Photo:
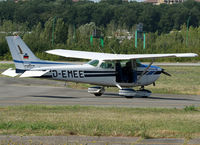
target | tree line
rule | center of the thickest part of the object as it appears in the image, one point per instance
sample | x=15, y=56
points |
x=162, y=18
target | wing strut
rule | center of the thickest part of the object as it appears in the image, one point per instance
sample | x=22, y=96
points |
x=146, y=69
x=118, y=86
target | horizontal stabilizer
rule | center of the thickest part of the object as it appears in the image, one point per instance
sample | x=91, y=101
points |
x=10, y=72
x=33, y=73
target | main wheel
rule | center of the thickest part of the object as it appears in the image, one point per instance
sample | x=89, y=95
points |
x=98, y=94
x=128, y=97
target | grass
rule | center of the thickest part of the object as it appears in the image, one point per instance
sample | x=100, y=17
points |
x=184, y=80
x=6, y=66
x=99, y=121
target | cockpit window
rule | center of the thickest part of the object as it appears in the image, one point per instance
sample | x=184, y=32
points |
x=107, y=65
x=93, y=62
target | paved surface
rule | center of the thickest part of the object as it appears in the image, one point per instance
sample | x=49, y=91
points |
x=86, y=140
x=24, y=91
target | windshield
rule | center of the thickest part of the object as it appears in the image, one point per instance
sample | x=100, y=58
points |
x=93, y=62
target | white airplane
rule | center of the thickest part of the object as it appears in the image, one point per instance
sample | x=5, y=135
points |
x=112, y=70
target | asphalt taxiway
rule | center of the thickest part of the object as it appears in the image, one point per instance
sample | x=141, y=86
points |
x=25, y=91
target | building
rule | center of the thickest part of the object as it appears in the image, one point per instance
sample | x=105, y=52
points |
x=158, y=2
x=154, y=2
x=170, y=1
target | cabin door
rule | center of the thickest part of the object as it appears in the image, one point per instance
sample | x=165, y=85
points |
x=134, y=70
x=126, y=71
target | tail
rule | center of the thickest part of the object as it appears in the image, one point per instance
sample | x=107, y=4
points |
x=26, y=63
x=23, y=57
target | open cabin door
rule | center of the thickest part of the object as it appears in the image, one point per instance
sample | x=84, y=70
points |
x=134, y=70
x=126, y=71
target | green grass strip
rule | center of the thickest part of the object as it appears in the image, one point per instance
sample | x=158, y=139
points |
x=100, y=121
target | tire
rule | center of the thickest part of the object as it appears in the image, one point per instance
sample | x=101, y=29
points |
x=98, y=94
x=129, y=97
x=145, y=97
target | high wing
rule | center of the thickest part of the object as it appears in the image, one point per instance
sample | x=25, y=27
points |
x=109, y=56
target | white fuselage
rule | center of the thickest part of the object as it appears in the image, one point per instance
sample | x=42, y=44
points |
x=96, y=75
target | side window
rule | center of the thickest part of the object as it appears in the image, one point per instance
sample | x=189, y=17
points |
x=103, y=65
x=107, y=65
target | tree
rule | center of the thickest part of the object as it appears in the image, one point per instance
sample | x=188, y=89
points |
x=60, y=31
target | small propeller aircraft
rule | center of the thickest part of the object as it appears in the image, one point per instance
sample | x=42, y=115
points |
x=112, y=70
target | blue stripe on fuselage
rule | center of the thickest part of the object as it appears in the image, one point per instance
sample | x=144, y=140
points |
x=38, y=62
x=152, y=70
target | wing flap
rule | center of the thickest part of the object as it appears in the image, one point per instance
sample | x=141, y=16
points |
x=108, y=56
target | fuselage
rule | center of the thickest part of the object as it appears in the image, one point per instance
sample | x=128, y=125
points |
x=104, y=76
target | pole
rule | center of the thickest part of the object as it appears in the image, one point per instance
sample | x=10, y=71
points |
x=101, y=42
x=53, y=29
x=91, y=40
x=144, y=42
x=187, y=30
x=74, y=33
x=136, y=39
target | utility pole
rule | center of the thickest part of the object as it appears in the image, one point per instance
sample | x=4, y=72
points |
x=53, y=29
x=74, y=33
x=136, y=39
x=187, y=30
x=140, y=34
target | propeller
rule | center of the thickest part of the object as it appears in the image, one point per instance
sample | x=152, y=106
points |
x=166, y=73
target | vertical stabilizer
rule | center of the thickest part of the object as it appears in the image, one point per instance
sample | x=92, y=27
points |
x=21, y=54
